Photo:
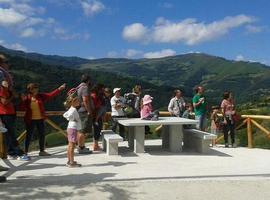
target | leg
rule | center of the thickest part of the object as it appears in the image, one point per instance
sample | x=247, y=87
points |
x=114, y=124
x=165, y=137
x=225, y=132
x=97, y=129
x=232, y=132
x=41, y=133
x=122, y=131
x=29, y=134
x=175, y=138
x=139, y=139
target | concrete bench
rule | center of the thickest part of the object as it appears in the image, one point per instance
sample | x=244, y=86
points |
x=103, y=133
x=111, y=143
x=198, y=140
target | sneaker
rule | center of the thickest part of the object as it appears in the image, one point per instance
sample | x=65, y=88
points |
x=12, y=157
x=226, y=145
x=74, y=164
x=44, y=153
x=3, y=129
x=24, y=158
x=3, y=168
x=234, y=145
x=84, y=151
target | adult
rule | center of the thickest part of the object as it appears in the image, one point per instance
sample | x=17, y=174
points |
x=118, y=103
x=33, y=105
x=8, y=118
x=107, y=99
x=7, y=110
x=200, y=108
x=133, y=102
x=85, y=112
x=97, y=95
x=228, y=110
x=177, y=104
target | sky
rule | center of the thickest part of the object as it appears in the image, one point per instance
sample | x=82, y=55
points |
x=233, y=29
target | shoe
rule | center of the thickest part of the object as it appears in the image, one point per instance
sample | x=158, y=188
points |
x=44, y=153
x=234, y=145
x=12, y=157
x=3, y=179
x=24, y=158
x=3, y=168
x=3, y=129
x=226, y=145
x=97, y=148
x=84, y=151
x=74, y=164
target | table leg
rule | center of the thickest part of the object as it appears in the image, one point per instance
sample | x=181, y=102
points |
x=131, y=137
x=165, y=136
x=139, y=139
x=175, y=138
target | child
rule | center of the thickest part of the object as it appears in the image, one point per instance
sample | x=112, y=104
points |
x=188, y=114
x=147, y=109
x=74, y=125
x=214, y=122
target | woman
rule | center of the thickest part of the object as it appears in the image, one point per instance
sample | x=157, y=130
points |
x=33, y=105
x=228, y=110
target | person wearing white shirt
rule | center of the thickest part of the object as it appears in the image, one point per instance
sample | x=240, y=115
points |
x=177, y=104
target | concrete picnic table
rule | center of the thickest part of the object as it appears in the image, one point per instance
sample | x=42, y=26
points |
x=172, y=132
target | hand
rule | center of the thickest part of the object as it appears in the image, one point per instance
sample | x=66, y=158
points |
x=62, y=87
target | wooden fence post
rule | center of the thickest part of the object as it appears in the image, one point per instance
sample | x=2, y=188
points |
x=249, y=133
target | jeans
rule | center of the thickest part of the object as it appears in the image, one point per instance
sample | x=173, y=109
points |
x=10, y=139
x=41, y=132
x=229, y=127
x=97, y=128
x=202, y=122
x=121, y=127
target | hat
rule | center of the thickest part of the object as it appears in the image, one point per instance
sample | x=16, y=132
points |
x=147, y=99
x=116, y=89
x=215, y=107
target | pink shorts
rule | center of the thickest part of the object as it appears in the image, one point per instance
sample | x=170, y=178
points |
x=72, y=135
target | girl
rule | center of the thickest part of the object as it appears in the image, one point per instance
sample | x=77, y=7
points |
x=74, y=125
x=147, y=109
x=33, y=105
x=214, y=122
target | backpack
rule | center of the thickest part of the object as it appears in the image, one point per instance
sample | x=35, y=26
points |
x=130, y=110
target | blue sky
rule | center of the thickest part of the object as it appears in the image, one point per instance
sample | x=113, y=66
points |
x=234, y=29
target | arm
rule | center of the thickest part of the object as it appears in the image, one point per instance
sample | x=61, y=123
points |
x=197, y=102
x=170, y=106
x=50, y=95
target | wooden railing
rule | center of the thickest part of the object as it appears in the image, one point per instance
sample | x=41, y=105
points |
x=248, y=120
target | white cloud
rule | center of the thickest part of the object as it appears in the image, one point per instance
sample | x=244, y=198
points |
x=112, y=54
x=29, y=32
x=9, y=17
x=135, y=32
x=92, y=7
x=188, y=31
x=239, y=58
x=160, y=54
x=254, y=29
x=131, y=53
x=15, y=46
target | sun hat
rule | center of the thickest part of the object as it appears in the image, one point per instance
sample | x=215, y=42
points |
x=147, y=99
x=116, y=89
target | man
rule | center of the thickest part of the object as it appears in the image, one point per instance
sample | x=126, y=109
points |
x=118, y=103
x=85, y=112
x=177, y=104
x=199, y=104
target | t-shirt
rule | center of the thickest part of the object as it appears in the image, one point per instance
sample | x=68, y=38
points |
x=119, y=111
x=73, y=117
x=36, y=114
x=82, y=91
x=228, y=107
x=201, y=108
x=177, y=106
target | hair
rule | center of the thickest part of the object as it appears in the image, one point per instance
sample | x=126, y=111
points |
x=137, y=88
x=108, y=90
x=85, y=78
x=197, y=88
x=69, y=101
x=2, y=58
x=30, y=86
x=226, y=95
x=189, y=105
x=176, y=90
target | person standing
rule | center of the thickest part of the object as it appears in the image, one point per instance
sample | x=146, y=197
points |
x=200, y=108
x=228, y=110
x=118, y=103
x=85, y=112
x=177, y=104
x=7, y=109
x=33, y=105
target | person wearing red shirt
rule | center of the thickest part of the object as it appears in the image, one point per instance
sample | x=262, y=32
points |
x=33, y=105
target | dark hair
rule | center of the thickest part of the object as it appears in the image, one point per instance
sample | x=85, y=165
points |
x=197, y=88
x=176, y=90
x=31, y=86
x=85, y=78
x=137, y=88
x=226, y=95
